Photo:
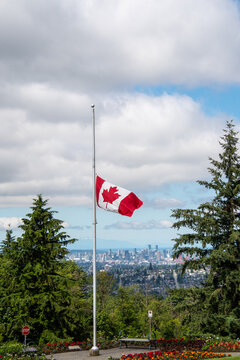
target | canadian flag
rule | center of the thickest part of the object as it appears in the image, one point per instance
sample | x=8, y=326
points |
x=114, y=198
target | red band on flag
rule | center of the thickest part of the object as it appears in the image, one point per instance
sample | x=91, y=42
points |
x=115, y=198
x=129, y=204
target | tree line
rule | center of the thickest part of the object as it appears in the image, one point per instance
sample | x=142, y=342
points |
x=53, y=296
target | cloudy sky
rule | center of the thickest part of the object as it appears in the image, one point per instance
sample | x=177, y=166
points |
x=164, y=77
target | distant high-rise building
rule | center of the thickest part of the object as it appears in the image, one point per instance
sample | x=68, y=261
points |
x=156, y=247
x=149, y=247
x=119, y=253
x=126, y=254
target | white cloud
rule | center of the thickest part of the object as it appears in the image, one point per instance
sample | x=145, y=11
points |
x=150, y=225
x=65, y=224
x=145, y=142
x=91, y=45
x=57, y=57
x=162, y=203
x=142, y=142
x=10, y=223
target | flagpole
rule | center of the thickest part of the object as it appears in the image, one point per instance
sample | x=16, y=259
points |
x=94, y=351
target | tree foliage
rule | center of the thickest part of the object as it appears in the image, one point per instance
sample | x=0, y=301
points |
x=213, y=240
x=35, y=288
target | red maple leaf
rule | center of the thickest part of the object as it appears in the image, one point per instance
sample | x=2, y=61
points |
x=110, y=195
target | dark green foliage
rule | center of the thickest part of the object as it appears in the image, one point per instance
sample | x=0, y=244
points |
x=105, y=285
x=125, y=311
x=8, y=244
x=35, y=286
x=213, y=241
x=106, y=326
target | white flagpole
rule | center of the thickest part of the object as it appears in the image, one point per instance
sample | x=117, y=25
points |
x=94, y=351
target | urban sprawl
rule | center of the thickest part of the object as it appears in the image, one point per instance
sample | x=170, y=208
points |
x=152, y=269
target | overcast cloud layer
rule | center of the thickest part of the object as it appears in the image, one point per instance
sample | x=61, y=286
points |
x=58, y=57
x=86, y=44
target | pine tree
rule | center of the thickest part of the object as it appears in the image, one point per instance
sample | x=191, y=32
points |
x=213, y=241
x=8, y=243
x=33, y=290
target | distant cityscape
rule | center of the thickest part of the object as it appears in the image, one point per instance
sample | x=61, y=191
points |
x=110, y=258
x=151, y=269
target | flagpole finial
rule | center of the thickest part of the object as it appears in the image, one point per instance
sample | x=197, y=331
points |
x=93, y=105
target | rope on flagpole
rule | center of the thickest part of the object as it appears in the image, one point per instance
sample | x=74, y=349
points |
x=94, y=351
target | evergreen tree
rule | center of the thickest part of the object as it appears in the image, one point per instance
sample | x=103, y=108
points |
x=7, y=285
x=213, y=241
x=32, y=289
x=8, y=243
